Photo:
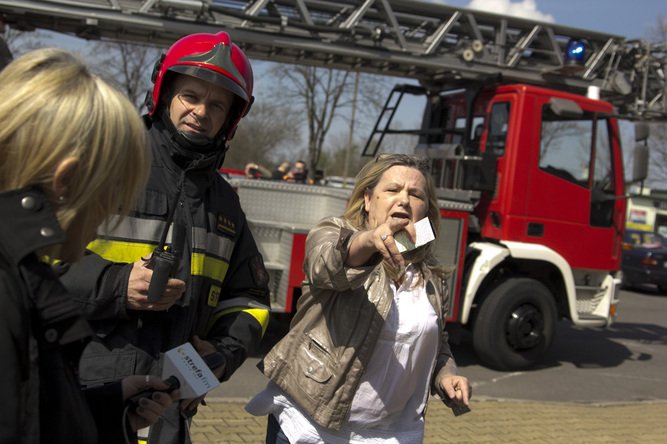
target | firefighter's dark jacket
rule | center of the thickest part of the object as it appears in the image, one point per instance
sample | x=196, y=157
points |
x=227, y=299
x=42, y=335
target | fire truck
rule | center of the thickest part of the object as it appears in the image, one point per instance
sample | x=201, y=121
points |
x=521, y=129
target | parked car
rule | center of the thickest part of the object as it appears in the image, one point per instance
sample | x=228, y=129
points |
x=644, y=259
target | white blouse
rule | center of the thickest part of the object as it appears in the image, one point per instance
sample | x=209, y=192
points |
x=389, y=404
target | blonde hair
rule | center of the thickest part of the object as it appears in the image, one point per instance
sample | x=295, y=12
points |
x=368, y=178
x=52, y=107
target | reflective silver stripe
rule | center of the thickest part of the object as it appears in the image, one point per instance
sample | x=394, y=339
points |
x=240, y=301
x=136, y=229
x=212, y=244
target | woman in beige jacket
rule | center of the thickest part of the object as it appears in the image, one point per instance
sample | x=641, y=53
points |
x=367, y=343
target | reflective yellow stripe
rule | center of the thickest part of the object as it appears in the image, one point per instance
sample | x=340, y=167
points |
x=209, y=267
x=261, y=315
x=117, y=251
x=128, y=252
x=49, y=260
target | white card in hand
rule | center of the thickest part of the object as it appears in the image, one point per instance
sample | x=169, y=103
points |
x=424, y=233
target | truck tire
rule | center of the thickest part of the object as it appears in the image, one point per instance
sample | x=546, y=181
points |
x=515, y=324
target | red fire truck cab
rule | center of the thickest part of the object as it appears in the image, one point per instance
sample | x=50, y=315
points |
x=540, y=174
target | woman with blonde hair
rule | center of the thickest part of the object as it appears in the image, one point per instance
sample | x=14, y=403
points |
x=73, y=151
x=367, y=343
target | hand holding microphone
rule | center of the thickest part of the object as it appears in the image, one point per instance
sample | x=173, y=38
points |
x=147, y=398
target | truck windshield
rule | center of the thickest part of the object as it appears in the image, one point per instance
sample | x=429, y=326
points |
x=573, y=148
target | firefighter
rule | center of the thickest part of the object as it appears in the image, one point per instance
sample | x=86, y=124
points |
x=218, y=297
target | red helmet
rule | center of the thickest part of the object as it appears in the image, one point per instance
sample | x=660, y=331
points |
x=213, y=58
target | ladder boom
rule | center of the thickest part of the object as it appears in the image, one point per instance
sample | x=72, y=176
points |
x=438, y=45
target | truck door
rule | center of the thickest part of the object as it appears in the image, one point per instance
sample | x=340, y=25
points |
x=571, y=201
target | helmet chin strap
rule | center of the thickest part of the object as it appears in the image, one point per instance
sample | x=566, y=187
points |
x=194, y=143
x=198, y=142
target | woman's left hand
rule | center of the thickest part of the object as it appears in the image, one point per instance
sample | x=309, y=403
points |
x=457, y=388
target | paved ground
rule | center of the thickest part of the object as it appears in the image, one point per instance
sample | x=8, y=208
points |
x=491, y=421
x=596, y=386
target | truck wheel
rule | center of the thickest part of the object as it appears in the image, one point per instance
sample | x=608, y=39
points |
x=515, y=324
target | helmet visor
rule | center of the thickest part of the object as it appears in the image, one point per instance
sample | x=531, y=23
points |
x=213, y=77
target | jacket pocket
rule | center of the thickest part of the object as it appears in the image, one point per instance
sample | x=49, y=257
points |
x=315, y=361
x=154, y=203
x=99, y=365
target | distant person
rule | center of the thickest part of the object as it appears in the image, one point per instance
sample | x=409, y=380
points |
x=218, y=296
x=72, y=152
x=281, y=171
x=255, y=171
x=298, y=173
x=367, y=344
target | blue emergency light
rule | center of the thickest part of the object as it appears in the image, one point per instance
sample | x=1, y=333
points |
x=574, y=52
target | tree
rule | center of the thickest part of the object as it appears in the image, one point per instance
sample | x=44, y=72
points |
x=658, y=162
x=264, y=135
x=658, y=137
x=20, y=42
x=127, y=66
x=333, y=159
x=324, y=96
x=319, y=93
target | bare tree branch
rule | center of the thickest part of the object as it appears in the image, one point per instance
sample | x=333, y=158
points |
x=267, y=131
x=127, y=66
x=325, y=97
x=658, y=139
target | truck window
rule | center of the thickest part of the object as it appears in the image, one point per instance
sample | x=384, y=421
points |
x=477, y=128
x=603, y=176
x=565, y=146
x=498, y=123
x=604, y=187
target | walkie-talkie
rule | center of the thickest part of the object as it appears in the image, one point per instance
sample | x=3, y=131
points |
x=164, y=262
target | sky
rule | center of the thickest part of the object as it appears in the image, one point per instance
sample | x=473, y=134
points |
x=631, y=19
x=627, y=18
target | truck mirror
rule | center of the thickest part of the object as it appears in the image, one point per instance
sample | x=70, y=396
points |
x=642, y=131
x=640, y=163
x=565, y=108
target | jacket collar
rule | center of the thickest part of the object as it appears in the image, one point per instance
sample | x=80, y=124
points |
x=28, y=223
x=163, y=138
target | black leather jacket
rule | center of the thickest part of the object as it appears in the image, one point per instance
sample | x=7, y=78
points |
x=42, y=335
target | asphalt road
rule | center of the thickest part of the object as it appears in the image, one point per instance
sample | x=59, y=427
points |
x=625, y=362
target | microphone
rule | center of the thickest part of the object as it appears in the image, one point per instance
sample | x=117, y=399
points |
x=195, y=376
